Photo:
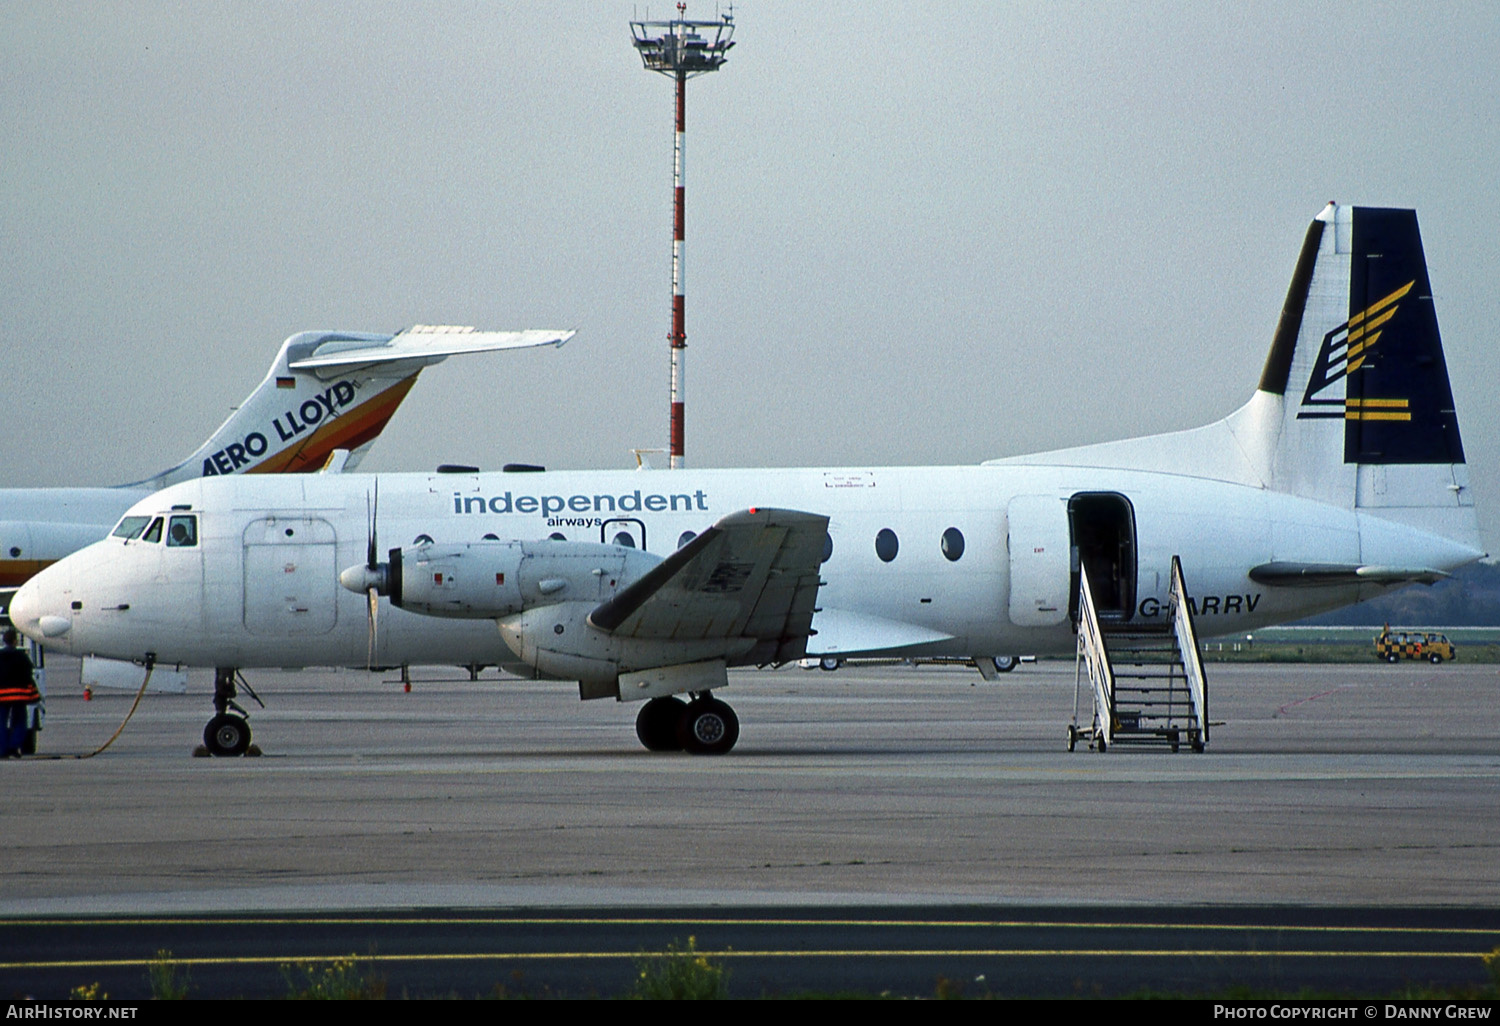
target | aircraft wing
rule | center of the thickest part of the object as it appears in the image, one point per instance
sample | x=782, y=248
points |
x=427, y=343
x=753, y=574
x=1312, y=575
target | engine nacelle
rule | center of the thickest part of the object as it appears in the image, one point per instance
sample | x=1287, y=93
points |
x=492, y=579
x=559, y=641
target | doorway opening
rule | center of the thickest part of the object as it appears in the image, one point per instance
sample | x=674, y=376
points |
x=1102, y=527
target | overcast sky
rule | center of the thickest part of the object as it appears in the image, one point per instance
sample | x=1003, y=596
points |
x=917, y=233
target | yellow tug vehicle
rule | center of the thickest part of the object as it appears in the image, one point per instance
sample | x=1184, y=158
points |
x=1394, y=646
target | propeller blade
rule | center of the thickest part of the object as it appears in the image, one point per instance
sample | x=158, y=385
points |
x=374, y=606
x=372, y=512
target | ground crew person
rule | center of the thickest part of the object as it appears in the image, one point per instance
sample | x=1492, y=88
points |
x=17, y=692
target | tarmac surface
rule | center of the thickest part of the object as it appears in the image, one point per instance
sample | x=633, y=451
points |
x=1360, y=786
x=913, y=951
x=880, y=830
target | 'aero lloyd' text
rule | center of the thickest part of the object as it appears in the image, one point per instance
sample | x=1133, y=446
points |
x=548, y=505
x=324, y=405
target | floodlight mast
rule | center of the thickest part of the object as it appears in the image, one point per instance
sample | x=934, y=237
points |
x=681, y=49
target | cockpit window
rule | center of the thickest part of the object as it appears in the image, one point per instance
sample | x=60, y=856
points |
x=153, y=533
x=130, y=527
x=182, y=532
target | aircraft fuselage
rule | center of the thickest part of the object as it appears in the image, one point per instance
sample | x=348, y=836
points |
x=960, y=561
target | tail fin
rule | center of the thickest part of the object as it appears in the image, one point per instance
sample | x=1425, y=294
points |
x=1367, y=413
x=1354, y=408
x=331, y=390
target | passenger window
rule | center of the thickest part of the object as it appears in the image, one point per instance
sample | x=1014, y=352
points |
x=685, y=537
x=953, y=544
x=153, y=533
x=624, y=540
x=182, y=532
x=557, y=536
x=131, y=527
x=886, y=544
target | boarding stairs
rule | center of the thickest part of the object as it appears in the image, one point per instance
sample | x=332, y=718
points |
x=1147, y=682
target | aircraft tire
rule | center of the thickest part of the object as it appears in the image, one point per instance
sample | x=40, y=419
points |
x=1005, y=664
x=227, y=735
x=708, y=727
x=656, y=724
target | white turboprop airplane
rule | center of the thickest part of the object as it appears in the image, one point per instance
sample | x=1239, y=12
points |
x=325, y=390
x=1342, y=476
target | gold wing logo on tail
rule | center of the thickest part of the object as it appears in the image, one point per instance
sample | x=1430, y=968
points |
x=1344, y=351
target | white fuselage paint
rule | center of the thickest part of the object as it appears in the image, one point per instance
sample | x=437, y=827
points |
x=261, y=588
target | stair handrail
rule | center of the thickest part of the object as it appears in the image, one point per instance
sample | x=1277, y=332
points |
x=1181, y=615
x=1091, y=651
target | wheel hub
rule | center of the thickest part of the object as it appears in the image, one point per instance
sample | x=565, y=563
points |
x=708, y=728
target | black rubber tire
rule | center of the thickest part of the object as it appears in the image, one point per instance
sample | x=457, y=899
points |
x=656, y=724
x=1072, y=737
x=1434, y=659
x=830, y=663
x=1392, y=658
x=708, y=727
x=1004, y=664
x=227, y=735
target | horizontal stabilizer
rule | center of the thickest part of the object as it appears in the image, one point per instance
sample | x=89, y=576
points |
x=753, y=574
x=1317, y=575
x=425, y=342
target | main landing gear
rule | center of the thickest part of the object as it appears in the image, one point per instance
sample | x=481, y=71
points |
x=703, y=726
x=228, y=733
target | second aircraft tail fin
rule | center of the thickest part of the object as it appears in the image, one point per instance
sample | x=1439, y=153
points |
x=330, y=390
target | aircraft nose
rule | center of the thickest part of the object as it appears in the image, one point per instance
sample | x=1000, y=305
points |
x=23, y=611
x=30, y=613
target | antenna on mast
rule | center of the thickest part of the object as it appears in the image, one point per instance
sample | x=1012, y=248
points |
x=681, y=49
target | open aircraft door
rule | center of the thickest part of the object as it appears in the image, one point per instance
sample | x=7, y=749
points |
x=1037, y=532
x=1102, y=528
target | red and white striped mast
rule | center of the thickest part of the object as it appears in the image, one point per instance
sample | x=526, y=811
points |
x=681, y=49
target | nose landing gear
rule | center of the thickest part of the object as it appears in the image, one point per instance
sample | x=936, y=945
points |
x=228, y=733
